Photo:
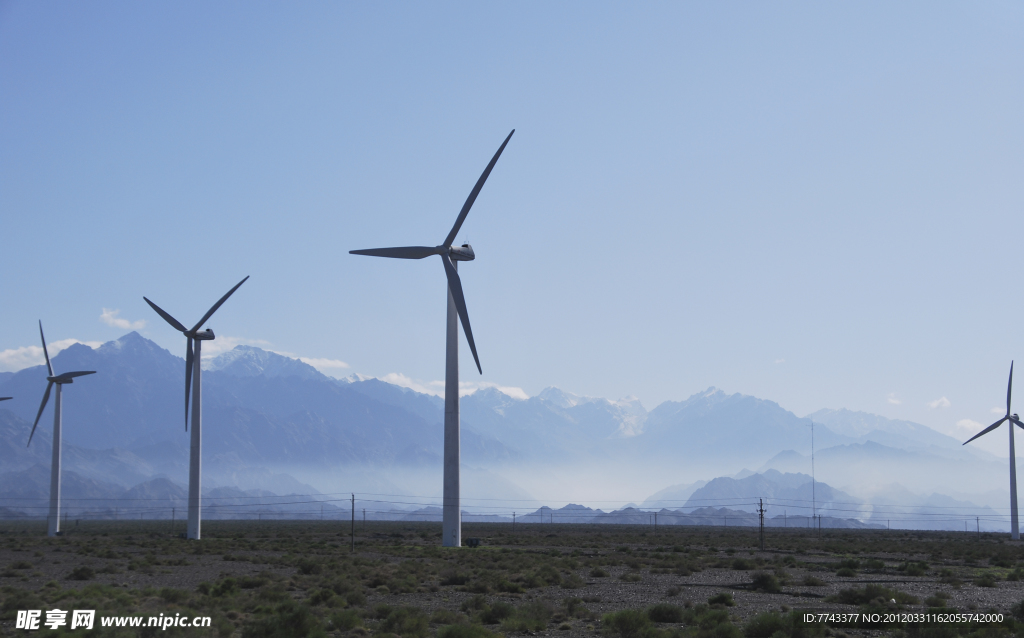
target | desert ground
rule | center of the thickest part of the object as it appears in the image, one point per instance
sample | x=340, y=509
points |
x=302, y=578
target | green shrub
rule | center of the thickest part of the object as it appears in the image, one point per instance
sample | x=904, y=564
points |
x=226, y=587
x=874, y=565
x=308, y=566
x=628, y=623
x=446, y=617
x=812, y=581
x=174, y=596
x=631, y=577
x=914, y=568
x=82, y=573
x=766, y=625
x=346, y=619
x=289, y=620
x=355, y=598
x=845, y=572
x=765, y=582
x=21, y=564
x=496, y=613
x=742, y=564
x=572, y=581
x=19, y=599
x=597, y=572
x=475, y=603
x=465, y=631
x=985, y=580
x=665, y=612
x=530, y=617
x=722, y=599
x=408, y=622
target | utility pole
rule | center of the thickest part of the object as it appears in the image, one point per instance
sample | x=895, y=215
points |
x=173, y=512
x=819, y=526
x=321, y=511
x=364, y=518
x=977, y=519
x=513, y=522
x=353, y=523
x=655, y=522
x=814, y=500
x=760, y=511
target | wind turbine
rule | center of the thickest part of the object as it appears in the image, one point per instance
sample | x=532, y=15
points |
x=451, y=532
x=193, y=376
x=53, y=520
x=1014, y=420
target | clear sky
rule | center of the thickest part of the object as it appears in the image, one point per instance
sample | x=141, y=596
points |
x=818, y=204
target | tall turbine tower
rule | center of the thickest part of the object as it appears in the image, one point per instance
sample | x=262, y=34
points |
x=193, y=376
x=451, y=533
x=1014, y=420
x=53, y=520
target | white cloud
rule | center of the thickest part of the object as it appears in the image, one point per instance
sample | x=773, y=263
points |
x=941, y=403
x=16, y=359
x=969, y=425
x=110, y=318
x=997, y=411
x=780, y=361
x=892, y=400
x=223, y=344
x=325, y=365
x=425, y=387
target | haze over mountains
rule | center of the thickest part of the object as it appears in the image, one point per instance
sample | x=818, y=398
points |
x=275, y=424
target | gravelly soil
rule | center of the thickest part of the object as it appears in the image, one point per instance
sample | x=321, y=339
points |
x=400, y=564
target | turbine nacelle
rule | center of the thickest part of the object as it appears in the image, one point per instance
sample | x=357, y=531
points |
x=461, y=253
x=205, y=335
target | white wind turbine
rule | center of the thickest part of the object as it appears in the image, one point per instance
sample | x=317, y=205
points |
x=451, y=527
x=193, y=376
x=1014, y=420
x=53, y=519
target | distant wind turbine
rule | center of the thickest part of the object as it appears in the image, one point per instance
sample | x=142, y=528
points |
x=193, y=376
x=1014, y=420
x=53, y=521
x=450, y=256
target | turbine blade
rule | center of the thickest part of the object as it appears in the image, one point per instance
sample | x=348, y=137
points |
x=1019, y=424
x=1009, y=388
x=45, y=352
x=72, y=375
x=209, y=313
x=188, y=377
x=473, y=193
x=403, y=252
x=6, y=398
x=455, y=285
x=168, y=318
x=46, y=397
x=987, y=430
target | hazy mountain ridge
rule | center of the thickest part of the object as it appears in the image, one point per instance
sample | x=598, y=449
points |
x=264, y=413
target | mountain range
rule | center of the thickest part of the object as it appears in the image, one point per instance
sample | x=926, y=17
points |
x=276, y=424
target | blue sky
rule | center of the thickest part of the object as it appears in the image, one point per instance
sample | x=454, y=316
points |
x=814, y=203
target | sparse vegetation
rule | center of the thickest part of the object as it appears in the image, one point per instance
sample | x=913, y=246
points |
x=302, y=579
